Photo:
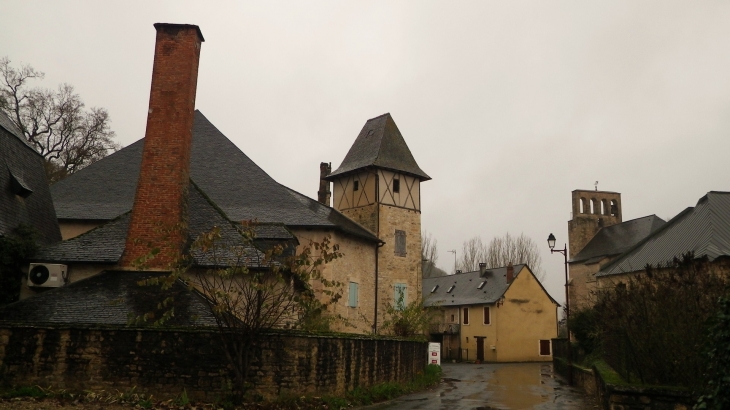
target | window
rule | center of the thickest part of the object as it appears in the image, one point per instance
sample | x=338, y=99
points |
x=353, y=295
x=396, y=186
x=401, y=296
x=487, y=316
x=451, y=288
x=400, y=243
x=544, y=348
x=355, y=185
x=466, y=316
x=434, y=288
x=452, y=318
x=481, y=285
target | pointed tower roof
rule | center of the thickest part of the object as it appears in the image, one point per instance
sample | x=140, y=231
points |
x=380, y=144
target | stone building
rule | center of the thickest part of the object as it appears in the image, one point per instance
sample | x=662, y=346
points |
x=186, y=173
x=604, y=250
x=378, y=185
x=703, y=230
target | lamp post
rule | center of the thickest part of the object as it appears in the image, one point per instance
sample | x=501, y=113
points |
x=564, y=251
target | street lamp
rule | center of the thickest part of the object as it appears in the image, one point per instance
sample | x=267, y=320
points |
x=564, y=251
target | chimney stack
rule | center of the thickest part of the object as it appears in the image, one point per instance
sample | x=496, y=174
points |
x=324, y=193
x=510, y=273
x=159, y=214
x=482, y=269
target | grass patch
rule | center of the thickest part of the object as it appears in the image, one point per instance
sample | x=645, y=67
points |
x=390, y=390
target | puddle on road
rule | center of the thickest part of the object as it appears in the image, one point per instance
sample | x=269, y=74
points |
x=519, y=387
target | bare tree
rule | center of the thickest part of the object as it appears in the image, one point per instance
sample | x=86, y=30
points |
x=501, y=251
x=251, y=292
x=55, y=122
x=472, y=253
x=429, y=254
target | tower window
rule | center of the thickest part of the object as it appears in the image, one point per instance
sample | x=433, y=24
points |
x=401, y=296
x=400, y=243
x=355, y=185
x=396, y=186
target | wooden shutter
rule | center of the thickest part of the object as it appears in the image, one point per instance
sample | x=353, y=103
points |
x=544, y=348
x=487, y=319
x=353, y=296
x=466, y=316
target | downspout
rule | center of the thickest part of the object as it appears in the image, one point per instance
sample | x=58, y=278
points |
x=377, y=248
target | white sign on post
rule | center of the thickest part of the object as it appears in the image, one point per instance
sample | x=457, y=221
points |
x=434, y=353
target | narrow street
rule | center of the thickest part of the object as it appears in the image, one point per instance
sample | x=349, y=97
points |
x=509, y=386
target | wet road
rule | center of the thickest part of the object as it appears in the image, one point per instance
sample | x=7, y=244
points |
x=509, y=386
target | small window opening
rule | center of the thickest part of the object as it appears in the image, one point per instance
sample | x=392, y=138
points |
x=434, y=288
x=614, y=208
x=451, y=288
x=356, y=185
x=583, y=206
x=400, y=243
x=466, y=316
x=487, y=316
x=396, y=186
x=481, y=285
x=594, y=208
x=604, y=207
x=453, y=317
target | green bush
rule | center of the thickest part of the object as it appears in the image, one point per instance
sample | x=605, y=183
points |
x=717, y=378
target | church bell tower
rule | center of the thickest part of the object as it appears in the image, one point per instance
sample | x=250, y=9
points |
x=378, y=185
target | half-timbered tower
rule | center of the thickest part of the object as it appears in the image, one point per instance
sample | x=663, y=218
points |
x=378, y=185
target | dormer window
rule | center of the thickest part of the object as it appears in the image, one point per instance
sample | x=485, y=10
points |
x=396, y=186
x=481, y=285
x=451, y=288
x=434, y=288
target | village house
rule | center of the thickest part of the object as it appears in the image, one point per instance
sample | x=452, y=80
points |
x=186, y=178
x=703, y=230
x=604, y=250
x=108, y=211
x=492, y=315
x=26, y=207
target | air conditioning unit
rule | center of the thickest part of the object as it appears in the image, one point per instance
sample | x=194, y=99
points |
x=47, y=275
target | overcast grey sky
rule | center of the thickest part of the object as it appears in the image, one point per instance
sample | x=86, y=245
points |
x=509, y=106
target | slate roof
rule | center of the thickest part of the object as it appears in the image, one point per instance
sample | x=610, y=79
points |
x=616, y=239
x=107, y=299
x=380, y=144
x=224, y=174
x=105, y=244
x=466, y=291
x=704, y=230
x=24, y=194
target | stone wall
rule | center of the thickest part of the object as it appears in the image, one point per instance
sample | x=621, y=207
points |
x=618, y=395
x=164, y=362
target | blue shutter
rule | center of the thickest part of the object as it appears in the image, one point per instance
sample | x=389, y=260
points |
x=353, y=295
x=401, y=296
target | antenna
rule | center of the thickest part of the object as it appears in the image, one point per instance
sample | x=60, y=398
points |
x=454, y=252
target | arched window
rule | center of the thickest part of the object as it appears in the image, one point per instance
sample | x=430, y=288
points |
x=604, y=207
x=583, y=206
x=614, y=208
x=594, y=206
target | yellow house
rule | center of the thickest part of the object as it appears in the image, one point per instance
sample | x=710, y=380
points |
x=492, y=315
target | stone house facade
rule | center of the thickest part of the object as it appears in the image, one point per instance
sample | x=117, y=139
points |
x=191, y=175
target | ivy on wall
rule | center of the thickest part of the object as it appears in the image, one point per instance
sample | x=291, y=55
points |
x=15, y=249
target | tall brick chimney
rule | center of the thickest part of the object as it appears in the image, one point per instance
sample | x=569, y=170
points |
x=324, y=193
x=510, y=273
x=159, y=215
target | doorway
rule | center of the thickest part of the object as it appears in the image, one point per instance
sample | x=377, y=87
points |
x=480, y=347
